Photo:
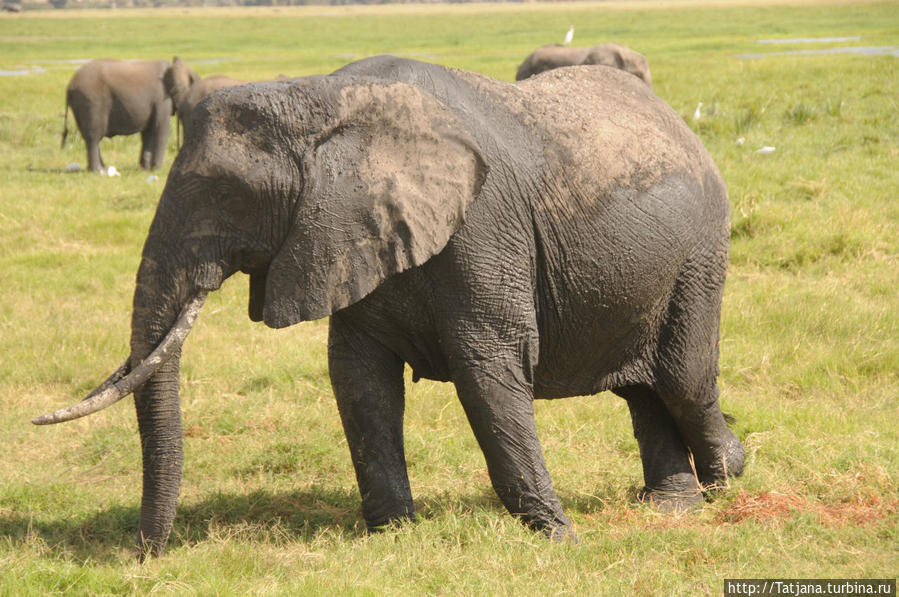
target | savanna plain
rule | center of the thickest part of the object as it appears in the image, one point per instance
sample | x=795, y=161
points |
x=269, y=505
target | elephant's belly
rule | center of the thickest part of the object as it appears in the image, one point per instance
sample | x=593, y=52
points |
x=593, y=359
x=599, y=336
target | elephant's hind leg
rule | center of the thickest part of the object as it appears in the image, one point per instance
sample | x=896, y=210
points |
x=368, y=383
x=687, y=371
x=153, y=140
x=94, y=159
x=146, y=155
x=92, y=119
x=669, y=480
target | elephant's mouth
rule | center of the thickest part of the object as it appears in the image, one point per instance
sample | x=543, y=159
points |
x=128, y=378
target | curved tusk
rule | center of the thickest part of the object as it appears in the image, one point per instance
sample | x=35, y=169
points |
x=119, y=384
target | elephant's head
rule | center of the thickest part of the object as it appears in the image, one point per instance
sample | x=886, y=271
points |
x=319, y=189
x=177, y=81
x=620, y=57
x=553, y=56
x=549, y=57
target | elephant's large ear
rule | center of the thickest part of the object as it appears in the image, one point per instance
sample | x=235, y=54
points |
x=177, y=80
x=386, y=184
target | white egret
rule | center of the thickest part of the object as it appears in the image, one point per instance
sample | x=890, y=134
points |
x=697, y=114
x=569, y=36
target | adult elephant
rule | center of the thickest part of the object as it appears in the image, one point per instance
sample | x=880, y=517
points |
x=513, y=239
x=113, y=97
x=188, y=89
x=553, y=56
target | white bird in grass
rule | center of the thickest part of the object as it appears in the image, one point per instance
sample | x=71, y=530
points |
x=697, y=114
x=569, y=36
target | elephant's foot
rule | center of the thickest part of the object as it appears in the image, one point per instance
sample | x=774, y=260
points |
x=561, y=534
x=148, y=547
x=549, y=520
x=386, y=522
x=726, y=461
x=676, y=494
x=146, y=160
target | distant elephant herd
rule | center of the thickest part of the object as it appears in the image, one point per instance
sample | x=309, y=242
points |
x=113, y=97
x=563, y=235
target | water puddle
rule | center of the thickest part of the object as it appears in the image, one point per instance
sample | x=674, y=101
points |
x=23, y=71
x=860, y=50
x=214, y=60
x=810, y=40
x=34, y=66
x=62, y=61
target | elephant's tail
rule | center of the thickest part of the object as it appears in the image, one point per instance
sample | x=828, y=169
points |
x=65, y=124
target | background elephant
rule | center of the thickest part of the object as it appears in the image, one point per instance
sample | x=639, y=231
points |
x=510, y=238
x=112, y=97
x=554, y=56
x=187, y=88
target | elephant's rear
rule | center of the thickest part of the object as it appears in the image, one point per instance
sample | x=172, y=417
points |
x=633, y=203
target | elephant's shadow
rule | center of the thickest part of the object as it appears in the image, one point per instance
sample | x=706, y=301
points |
x=104, y=536
x=302, y=515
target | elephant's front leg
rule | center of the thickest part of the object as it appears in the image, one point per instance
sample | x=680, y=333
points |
x=368, y=383
x=499, y=406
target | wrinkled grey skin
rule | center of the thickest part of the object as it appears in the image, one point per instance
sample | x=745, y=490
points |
x=557, y=237
x=553, y=56
x=188, y=89
x=112, y=97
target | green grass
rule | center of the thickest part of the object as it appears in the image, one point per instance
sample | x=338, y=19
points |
x=809, y=353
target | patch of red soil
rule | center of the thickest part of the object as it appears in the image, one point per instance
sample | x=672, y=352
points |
x=772, y=506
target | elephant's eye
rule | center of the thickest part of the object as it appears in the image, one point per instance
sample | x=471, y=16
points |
x=221, y=193
x=229, y=199
x=225, y=196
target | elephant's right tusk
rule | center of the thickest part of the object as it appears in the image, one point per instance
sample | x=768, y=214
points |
x=119, y=384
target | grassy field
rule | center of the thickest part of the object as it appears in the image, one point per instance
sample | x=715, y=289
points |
x=810, y=346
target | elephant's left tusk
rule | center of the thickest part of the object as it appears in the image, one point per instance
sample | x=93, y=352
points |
x=119, y=384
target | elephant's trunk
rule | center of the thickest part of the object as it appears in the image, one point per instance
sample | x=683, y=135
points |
x=159, y=420
x=164, y=289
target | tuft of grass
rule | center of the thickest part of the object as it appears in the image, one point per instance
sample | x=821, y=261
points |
x=745, y=120
x=810, y=189
x=799, y=114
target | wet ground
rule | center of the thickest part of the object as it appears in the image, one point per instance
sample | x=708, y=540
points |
x=860, y=50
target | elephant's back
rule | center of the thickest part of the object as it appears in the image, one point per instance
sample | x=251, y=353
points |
x=611, y=123
x=90, y=71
